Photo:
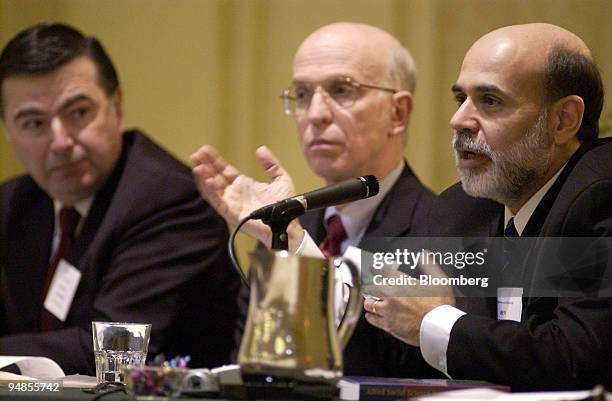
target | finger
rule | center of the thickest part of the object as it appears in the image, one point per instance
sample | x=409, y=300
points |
x=376, y=320
x=215, y=164
x=203, y=155
x=373, y=305
x=270, y=164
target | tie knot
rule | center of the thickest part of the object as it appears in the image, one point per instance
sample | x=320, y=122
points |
x=510, y=230
x=68, y=220
x=336, y=234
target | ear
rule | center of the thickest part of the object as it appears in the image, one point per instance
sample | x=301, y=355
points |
x=567, y=115
x=400, y=112
x=117, y=105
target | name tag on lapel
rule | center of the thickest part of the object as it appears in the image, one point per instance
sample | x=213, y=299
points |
x=62, y=289
x=509, y=303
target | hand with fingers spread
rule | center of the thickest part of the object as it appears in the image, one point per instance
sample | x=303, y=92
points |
x=235, y=195
x=399, y=310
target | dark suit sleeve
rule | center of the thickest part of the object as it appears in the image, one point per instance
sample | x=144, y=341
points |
x=161, y=261
x=564, y=342
x=171, y=269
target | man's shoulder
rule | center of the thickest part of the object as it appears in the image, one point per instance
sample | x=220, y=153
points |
x=584, y=201
x=595, y=164
x=148, y=179
x=148, y=166
x=591, y=172
x=19, y=187
x=144, y=152
x=409, y=184
x=404, y=209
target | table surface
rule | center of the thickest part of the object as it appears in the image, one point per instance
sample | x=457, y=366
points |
x=72, y=394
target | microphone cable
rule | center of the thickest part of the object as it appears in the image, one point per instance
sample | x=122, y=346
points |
x=232, y=250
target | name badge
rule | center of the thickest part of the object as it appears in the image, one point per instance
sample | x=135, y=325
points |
x=509, y=303
x=62, y=289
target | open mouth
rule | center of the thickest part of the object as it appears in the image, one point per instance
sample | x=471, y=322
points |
x=469, y=159
x=466, y=154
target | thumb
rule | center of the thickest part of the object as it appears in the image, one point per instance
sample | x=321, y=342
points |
x=272, y=167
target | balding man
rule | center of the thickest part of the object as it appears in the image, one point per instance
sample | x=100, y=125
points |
x=529, y=99
x=352, y=98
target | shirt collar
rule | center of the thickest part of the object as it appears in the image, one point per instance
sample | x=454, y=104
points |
x=356, y=215
x=524, y=214
x=83, y=207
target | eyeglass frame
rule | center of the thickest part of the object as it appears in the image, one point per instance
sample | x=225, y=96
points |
x=357, y=85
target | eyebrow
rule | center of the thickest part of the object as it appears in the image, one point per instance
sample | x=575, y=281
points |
x=478, y=88
x=33, y=111
x=75, y=99
x=27, y=112
x=329, y=79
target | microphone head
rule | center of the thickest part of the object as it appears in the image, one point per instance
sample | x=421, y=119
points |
x=370, y=185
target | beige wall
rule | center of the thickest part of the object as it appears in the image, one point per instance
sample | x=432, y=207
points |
x=210, y=71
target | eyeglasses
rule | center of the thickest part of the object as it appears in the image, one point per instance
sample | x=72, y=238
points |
x=343, y=92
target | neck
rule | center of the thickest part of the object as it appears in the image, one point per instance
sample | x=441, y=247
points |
x=516, y=204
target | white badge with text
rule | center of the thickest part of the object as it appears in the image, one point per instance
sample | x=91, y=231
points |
x=509, y=303
x=62, y=289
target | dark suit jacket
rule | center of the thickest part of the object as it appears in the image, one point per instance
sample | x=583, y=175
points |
x=371, y=351
x=151, y=250
x=561, y=342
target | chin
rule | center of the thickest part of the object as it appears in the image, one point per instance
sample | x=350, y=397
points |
x=330, y=174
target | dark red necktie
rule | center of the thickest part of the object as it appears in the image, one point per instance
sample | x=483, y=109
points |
x=335, y=236
x=68, y=221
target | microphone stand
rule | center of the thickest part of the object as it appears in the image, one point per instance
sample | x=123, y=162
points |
x=278, y=223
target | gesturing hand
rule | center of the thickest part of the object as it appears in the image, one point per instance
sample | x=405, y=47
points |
x=235, y=195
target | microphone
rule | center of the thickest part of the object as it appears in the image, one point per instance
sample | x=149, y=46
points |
x=335, y=194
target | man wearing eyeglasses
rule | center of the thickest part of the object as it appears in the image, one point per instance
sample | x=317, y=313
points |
x=351, y=96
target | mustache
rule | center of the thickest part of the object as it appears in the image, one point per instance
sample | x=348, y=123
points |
x=463, y=141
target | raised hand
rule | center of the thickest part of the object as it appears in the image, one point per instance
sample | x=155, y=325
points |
x=235, y=195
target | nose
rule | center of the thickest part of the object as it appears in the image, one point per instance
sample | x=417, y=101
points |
x=464, y=118
x=61, y=140
x=319, y=111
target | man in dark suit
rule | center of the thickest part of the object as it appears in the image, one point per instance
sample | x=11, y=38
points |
x=526, y=146
x=106, y=226
x=351, y=95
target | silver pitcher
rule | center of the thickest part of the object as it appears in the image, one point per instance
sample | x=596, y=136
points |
x=290, y=330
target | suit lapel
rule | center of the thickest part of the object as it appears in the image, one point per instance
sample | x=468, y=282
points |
x=391, y=218
x=99, y=207
x=313, y=223
x=536, y=227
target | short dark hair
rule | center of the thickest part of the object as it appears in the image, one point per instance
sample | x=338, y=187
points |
x=44, y=47
x=569, y=72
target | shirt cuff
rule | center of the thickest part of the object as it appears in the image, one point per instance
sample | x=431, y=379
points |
x=309, y=248
x=435, y=335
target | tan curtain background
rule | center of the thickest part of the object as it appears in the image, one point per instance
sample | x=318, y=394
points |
x=210, y=71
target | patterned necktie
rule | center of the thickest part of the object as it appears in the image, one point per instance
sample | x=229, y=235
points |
x=335, y=236
x=68, y=221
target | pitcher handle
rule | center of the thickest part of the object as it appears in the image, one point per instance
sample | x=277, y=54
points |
x=355, y=303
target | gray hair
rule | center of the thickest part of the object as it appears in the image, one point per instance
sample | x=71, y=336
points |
x=401, y=69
